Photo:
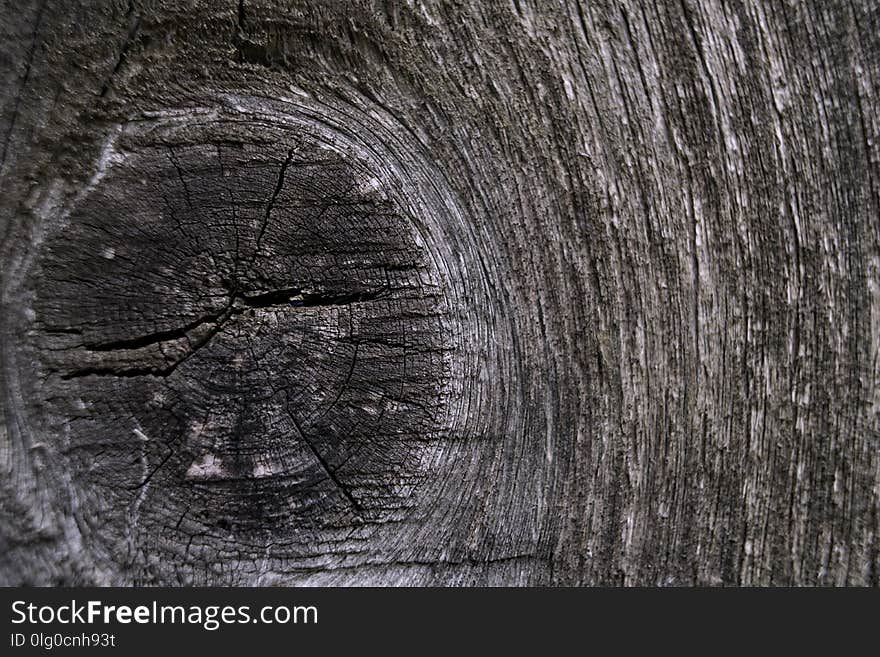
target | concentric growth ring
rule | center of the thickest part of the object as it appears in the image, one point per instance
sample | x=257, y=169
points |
x=243, y=334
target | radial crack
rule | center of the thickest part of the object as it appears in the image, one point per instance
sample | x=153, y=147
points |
x=327, y=469
x=344, y=385
x=237, y=304
x=142, y=370
x=278, y=187
x=159, y=336
x=133, y=28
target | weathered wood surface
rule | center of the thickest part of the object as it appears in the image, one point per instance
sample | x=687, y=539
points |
x=440, y=293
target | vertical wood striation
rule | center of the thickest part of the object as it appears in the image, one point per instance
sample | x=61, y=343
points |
x=440, y=293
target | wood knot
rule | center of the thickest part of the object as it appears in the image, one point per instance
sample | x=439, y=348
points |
x=239, y=337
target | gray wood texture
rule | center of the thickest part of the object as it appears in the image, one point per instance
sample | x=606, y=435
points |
x=440, y=293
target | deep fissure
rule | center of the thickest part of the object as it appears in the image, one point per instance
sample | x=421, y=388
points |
x=236, y=305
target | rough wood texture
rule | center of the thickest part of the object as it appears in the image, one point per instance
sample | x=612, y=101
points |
x=440, y=292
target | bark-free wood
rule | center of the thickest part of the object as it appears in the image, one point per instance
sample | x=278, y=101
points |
x=440, y=293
